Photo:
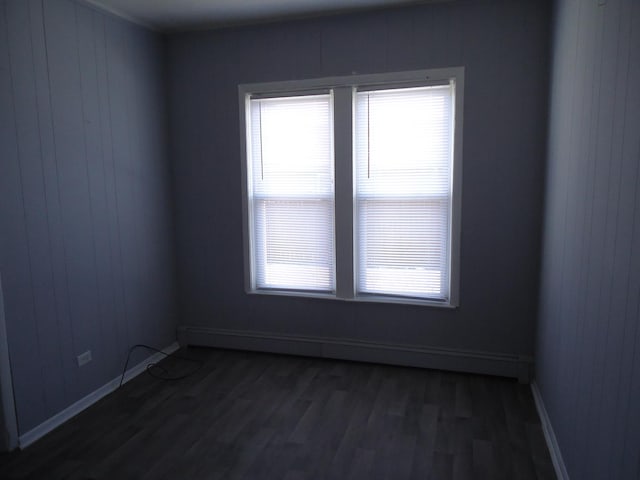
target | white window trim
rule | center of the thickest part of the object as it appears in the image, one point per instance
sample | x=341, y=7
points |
x=343, y=88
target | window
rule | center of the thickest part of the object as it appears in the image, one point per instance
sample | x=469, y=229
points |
x=403, y=191
x=352, y=186
x=291, y=185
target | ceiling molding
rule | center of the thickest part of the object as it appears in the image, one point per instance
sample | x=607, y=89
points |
x=163, y=16
x=101, y=7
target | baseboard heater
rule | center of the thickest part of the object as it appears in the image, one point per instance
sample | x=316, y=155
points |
x=504, y=365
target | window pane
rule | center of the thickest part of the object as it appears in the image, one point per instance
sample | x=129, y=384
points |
x=292, y=199
x=296, y=252
x=403, y=156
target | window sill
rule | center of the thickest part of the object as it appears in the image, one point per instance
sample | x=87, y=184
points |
x=358, y=299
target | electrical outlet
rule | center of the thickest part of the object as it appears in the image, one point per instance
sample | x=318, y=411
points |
x=84, y=358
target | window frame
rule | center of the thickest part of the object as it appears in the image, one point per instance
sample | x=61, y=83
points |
x=344, y=89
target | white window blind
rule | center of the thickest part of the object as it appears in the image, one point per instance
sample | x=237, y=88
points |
x=403, y=165
x=291, y=193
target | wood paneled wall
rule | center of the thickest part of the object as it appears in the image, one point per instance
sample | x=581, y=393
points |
x=588, y=350
x=85, y=211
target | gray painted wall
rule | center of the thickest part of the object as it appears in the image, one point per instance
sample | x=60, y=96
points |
x=504, y=47
x=85, y=244
x=8, y=432
x=4, y=434
x=588, y=348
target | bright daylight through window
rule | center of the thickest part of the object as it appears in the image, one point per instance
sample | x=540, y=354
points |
x=292, y=192
x=352, y=186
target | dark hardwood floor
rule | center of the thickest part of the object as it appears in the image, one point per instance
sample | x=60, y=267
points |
x=247, y=415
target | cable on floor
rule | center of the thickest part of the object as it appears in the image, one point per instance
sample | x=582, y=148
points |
x=154, y=366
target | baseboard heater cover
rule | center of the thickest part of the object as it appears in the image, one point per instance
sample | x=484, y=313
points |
x=504, y=365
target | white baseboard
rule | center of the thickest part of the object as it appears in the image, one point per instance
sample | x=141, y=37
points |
x=74, y=409
x=549, y=435
x=504, y=365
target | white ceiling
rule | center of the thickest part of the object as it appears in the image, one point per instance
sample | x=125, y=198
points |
x=172, y=15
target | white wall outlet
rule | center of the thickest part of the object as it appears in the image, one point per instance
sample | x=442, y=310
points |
x=84, y=358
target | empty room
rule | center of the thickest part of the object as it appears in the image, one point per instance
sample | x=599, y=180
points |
x=320, y=239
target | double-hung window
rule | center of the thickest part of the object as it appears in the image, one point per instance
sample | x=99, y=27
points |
x=352, y=185
x=292, y=197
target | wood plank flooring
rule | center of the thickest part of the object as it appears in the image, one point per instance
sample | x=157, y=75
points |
x=247, y=415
